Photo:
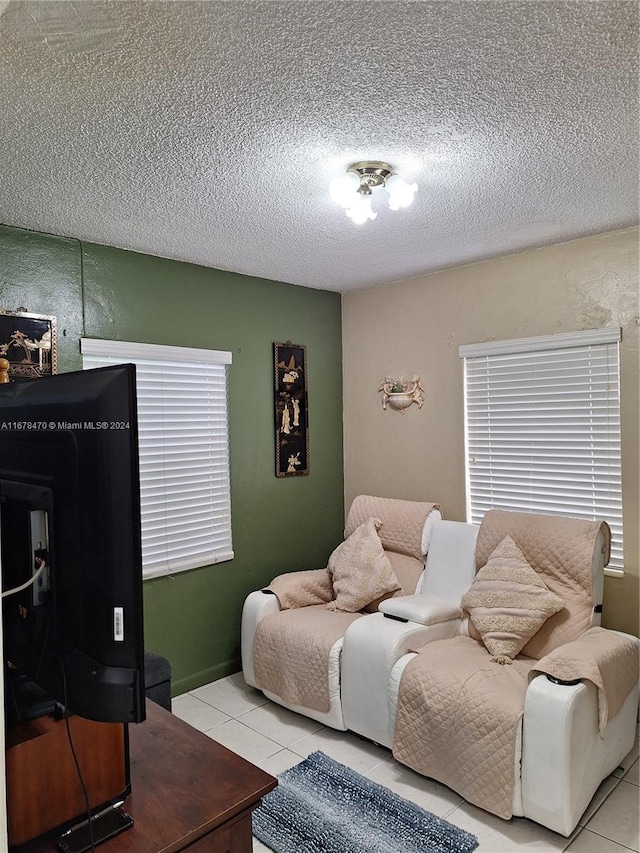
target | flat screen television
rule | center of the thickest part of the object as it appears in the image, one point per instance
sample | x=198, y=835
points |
x=70, y=512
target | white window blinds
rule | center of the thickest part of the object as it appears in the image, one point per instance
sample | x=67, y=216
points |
x=184, y=451
x=542, y=419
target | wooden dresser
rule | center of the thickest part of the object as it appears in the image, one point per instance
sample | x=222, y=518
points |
x=187, y=792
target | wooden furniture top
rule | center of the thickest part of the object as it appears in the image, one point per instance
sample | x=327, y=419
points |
x=183, y=786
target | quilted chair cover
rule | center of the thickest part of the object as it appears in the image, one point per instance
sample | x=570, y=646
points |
x=403, y=522
x=565, y=551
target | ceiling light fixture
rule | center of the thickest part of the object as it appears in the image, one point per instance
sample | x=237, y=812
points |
x=354, y=190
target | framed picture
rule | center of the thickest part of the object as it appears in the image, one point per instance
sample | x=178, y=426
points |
x=29, y=343
x=291, y=411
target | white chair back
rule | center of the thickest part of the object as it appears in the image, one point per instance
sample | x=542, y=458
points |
x=451, y=561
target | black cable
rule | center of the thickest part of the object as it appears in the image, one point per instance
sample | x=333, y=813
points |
x=16, y=707
x=75, y=757
x=43, y=647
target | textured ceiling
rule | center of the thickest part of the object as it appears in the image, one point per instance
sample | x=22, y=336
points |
x=209, y=131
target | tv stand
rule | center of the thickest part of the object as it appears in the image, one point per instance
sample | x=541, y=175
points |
x=187, y=792
x=44, y=795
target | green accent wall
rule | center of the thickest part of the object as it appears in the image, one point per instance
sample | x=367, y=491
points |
x=279, y=525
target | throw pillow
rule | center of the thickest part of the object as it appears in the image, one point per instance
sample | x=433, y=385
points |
x=508, y=602
x=360, y=569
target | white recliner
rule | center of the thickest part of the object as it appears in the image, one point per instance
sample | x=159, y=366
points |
x=562, y=751
x=561, y=756
x=306, y=638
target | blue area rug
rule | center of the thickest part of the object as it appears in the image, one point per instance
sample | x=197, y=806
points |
x=321, y=806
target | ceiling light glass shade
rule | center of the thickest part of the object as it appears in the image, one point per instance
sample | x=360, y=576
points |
x=353, y=190
x=360, y=210
x=343, y=190
x=400, y=192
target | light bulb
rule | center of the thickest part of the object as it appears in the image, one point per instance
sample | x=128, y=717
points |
x=400, y=192
x=343, y=189
x=360, y=210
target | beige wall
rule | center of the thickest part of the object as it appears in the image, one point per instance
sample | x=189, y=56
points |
x=416, y=326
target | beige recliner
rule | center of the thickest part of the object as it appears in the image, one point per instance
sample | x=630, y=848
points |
x=292, y=635
x=530, y=733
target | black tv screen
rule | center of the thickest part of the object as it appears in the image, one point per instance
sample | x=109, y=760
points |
x=70, y=505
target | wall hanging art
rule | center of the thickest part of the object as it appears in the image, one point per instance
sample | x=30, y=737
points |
x=28, y=341
x=399, y=393
x=291, y=411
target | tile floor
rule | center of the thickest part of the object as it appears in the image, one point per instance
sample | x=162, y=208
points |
x=272, y=737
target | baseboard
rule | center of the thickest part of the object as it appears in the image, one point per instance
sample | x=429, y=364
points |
x=205, y=676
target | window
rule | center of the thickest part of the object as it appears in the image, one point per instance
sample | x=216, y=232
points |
x=542, y=421
x=184, y=451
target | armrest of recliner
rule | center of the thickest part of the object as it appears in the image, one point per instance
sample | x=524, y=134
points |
x=564, y=757
x=257, y=605
x=302, y=589
x=423, y=609
x=289, y=590
x=609, y=659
